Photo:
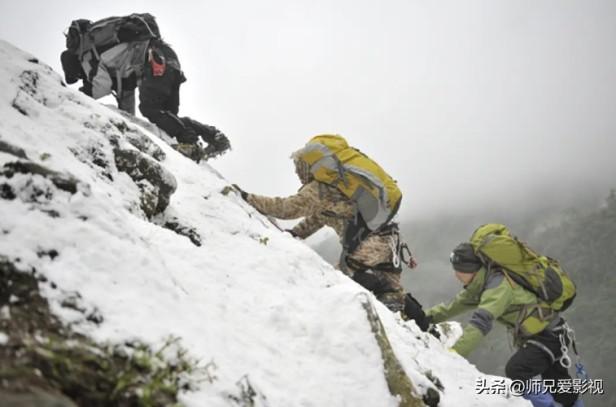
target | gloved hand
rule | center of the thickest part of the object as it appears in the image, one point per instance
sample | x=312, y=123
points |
x=217, y=146
x=291, y=232
x=433, y=330
x=413, y=310
x=221, y=142
x=243, y=193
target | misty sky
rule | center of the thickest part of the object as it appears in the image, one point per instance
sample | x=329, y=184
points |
x=499, y=102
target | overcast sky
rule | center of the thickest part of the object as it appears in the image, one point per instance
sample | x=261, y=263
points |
x=499, y=102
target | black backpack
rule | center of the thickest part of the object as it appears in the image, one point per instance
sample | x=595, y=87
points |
x=84, y=36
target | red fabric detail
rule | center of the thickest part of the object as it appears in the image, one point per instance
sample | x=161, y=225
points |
x=158, y=69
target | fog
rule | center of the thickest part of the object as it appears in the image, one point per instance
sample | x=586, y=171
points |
x=468, y=104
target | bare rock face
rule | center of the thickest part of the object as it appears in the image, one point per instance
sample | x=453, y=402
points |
x=12, y=150
x=155, y=183
x=137, y=138
x=64, y=182
x=174, y=224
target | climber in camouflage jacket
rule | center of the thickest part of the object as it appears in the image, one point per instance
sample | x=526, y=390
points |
x=321, y=205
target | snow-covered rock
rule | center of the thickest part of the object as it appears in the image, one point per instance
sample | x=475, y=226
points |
x=262, y=307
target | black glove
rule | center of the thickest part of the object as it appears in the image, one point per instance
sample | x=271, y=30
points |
x=414, y=311
x=218, y=145
x=291, y=232
x=221, y=142
x=433, y=330
x=243, y=193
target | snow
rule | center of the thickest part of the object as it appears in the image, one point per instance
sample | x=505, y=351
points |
x=256, y=303
x=5, y=312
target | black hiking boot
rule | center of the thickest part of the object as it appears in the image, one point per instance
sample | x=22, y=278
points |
x=218, y=145
x=192, y=151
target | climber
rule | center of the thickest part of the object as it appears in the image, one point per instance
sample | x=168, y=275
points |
x=372, y=251
x=505, y=294
x=117, y=55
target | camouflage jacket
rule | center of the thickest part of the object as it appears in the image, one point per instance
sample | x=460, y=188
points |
x=318, y=203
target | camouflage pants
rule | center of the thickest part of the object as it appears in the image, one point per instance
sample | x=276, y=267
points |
x=385, y=285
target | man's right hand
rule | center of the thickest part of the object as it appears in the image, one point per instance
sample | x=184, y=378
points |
x=221, y=142
x=243, y=193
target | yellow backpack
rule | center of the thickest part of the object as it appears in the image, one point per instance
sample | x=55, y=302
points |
x=334, y=162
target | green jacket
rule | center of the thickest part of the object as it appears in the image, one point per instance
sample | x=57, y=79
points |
x=494, y=297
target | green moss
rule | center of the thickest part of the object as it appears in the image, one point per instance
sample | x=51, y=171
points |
x=226, y=190
x=44, y=355
x=397, y=380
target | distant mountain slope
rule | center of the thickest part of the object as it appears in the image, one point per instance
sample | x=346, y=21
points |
x=582, y=239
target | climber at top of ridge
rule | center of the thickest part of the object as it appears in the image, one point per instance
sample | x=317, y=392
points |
x=116, y=55
x=358, y=199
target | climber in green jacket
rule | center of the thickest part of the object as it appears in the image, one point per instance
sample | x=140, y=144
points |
x=494, y=296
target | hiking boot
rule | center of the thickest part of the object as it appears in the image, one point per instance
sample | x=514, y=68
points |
x=219, y=145
x=192, y=151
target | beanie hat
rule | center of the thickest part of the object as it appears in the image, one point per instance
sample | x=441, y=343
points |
x=464, y=259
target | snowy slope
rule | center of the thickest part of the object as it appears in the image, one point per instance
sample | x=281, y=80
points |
x=259, y=304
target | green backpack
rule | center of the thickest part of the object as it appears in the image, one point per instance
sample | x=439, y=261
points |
x=542, y=275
